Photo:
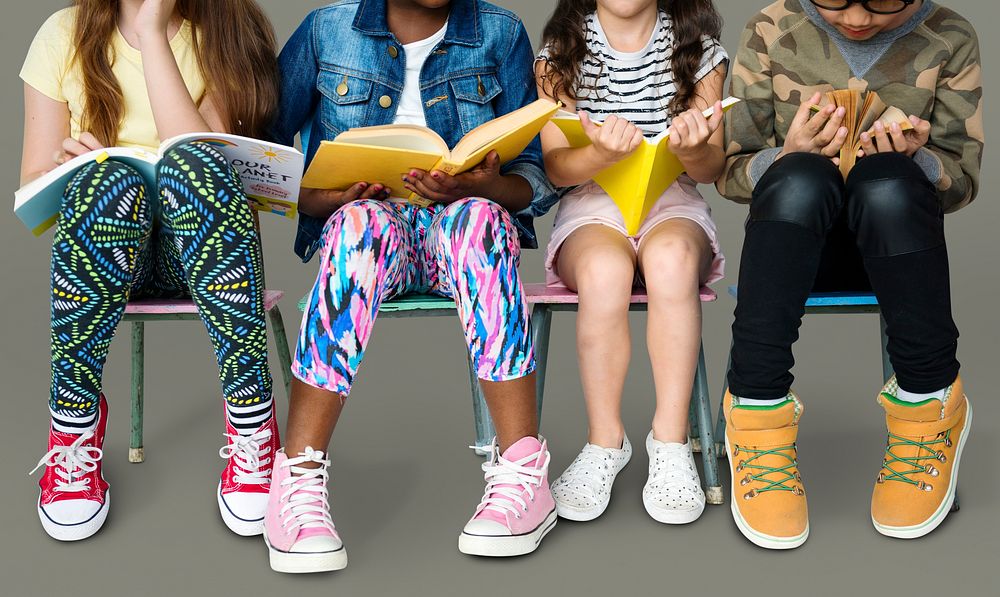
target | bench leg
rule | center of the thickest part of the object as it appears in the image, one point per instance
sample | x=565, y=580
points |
x=284, y=355
x=135, y=453
x=700, y=404
x=720, y=426
x=481, y=412
x=541, y=326
x=887, y=371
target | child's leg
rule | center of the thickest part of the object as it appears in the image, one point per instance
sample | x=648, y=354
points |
x=103, y=228
x=894, y=211
x=674, y=257
x=472, y=244
x=598, y=262
x=364, y=261
x=208, y=246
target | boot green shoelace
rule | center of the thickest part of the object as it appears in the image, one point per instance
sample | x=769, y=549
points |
x=926, y=451
x=761, y=472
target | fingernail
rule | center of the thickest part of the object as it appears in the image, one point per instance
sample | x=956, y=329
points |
x=405, y=179
x=363, y=185
x=435, y=175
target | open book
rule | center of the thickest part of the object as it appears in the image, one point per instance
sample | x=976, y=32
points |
x=270, y=174
x=636, y=182
x=863, y=111
x=384, y=154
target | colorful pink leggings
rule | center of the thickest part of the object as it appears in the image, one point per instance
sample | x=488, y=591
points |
x=374, y=250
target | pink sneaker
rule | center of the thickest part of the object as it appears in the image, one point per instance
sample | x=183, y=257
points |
x=74, y=500
x=246, y=480
x=517, y=510
x=298, y=529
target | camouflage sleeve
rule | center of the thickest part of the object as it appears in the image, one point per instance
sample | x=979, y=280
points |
x=749, y=124
x=956, y=141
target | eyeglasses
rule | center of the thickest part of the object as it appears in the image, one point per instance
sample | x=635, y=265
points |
x=880, y=7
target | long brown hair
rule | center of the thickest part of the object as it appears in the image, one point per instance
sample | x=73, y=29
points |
x=565, y=37
x=235, y=47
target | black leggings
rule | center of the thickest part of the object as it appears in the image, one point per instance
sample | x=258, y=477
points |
x=808, y=230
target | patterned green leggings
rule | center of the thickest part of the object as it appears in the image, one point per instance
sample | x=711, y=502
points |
x=113, y=243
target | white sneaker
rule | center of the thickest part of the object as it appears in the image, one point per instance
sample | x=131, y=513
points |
x=673, y=493
x=583, y=491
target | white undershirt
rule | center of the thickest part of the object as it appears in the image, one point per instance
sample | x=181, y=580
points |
x=411, y=106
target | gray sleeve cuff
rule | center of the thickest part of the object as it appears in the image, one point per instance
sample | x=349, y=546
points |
x=930, y=164
x=760, y=162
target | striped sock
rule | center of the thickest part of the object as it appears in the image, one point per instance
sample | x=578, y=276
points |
x=75, y=423
x=247, y=419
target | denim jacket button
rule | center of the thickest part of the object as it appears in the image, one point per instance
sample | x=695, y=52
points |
x=393, y=52
x=385, y=101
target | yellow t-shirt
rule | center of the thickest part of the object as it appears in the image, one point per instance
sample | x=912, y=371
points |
x=50, y=68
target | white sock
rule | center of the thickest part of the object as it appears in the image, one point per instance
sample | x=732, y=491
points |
x=905, y=396
x=762, y=401
x=75, y=424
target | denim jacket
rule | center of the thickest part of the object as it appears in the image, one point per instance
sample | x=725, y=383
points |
x=342, y=68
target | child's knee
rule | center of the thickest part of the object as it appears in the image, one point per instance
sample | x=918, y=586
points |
x=109, y=190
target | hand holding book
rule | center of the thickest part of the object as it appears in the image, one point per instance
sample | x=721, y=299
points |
x=440, y=187
x=895, y=138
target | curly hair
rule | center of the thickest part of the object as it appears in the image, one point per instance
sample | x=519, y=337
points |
x=564, y=37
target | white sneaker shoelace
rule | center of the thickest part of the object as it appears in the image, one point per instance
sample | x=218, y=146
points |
x=507, y=482
x=250, y=453
x=70, y=459
x=673, y=480
x=306, y=501
x=588, y=475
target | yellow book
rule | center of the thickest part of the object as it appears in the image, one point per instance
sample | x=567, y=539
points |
x=384, y=154
x=863, y=111
x=636, y=182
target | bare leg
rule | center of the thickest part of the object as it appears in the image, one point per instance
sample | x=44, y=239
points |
x=512, y=406
x=598, y=262
x=312, y=416
x=674, y=257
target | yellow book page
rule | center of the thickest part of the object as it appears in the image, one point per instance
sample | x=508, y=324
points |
x=337, y=166
x=508, y=135
x=626, y=181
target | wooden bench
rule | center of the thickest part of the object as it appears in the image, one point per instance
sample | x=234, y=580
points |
x=544, y=301
x=817, y=303
x=142, y=310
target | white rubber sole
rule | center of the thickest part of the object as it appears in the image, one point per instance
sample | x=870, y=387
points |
x=757, y=538
x=506, y=546
x=240, y=526
x=305, y=563
x=666, y=516
x=577, y=515
x=919, y=530
x=75, y=532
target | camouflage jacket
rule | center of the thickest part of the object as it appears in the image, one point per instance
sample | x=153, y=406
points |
x=932, y=72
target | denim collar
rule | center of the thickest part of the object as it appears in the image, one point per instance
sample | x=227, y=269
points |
x=463, y=21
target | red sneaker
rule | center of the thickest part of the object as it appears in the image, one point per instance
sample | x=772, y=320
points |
x=74, y=500
x=246, y=480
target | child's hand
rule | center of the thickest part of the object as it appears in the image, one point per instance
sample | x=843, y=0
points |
x=439, y=187
x=819, y=133
x=321, y=203
x=614, y=140
x=895, y=139
x=72, y=148
x=153, y=17
x=690, y=131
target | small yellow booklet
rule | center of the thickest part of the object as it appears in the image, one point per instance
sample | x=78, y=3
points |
x=863, y=111
x=636, y=182
x=384, y=154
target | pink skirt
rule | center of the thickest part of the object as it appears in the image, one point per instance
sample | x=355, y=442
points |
x=589, y=204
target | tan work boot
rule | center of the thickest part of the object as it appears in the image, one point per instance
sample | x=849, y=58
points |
x=767, y=497
x=915, y=489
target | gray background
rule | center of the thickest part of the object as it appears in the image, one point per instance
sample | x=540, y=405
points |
x=403, y=481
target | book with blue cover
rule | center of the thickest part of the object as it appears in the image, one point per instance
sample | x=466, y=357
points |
x=271, y=175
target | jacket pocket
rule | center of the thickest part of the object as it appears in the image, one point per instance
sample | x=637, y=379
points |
x=474, y=95
x=345, y=101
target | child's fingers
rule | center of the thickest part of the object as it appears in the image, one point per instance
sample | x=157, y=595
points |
x=636, y=139
x=353, y=192
x=830, y=129
x=867, y=145
x=899, y=142
x=445, y=181
x=590, y=128
x=715, y=121
x=802, y=115
x=882, y=142
x=73, y=148
x=375, y=191
x=90, y=141
x=834, y=146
